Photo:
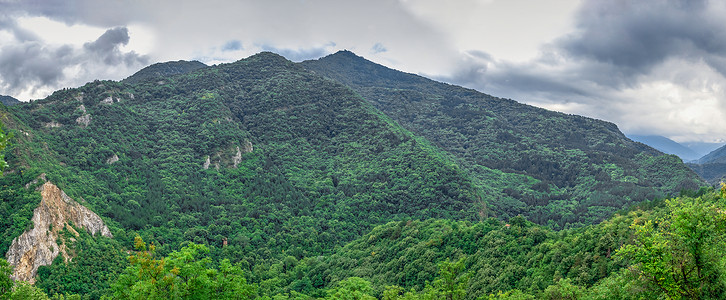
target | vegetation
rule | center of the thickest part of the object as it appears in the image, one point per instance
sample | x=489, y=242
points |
x=570, y=170
x=262, y=179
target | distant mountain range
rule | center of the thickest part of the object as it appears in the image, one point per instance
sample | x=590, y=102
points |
x=667, y=145
x=706, y=159
x=711, y=166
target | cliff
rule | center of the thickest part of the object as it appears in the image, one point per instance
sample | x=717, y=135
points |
x=39, y=246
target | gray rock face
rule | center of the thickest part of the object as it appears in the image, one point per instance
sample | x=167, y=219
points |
x=37, y=246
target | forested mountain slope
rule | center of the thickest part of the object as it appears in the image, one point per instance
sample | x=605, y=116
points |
x=260, y=155
x=276, y=176
x=583, y=169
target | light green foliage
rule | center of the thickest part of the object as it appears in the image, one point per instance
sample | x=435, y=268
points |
x=184, y=274
x=6, y=284
x=26, y=291
x=563, y=290
x=353, y=288
x=681, y=254
x=452, y=280
x=510, y=295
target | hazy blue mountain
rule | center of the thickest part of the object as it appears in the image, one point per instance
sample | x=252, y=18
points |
x=8, y=101
x=666, y=145
x=715, y=156
x=702, y=148
x=164, y=69
x=711, y=166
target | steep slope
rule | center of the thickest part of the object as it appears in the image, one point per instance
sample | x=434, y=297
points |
x=258, y=158
x=165, y=69
x=666, y=145
x=39, y=246
x=573, y=170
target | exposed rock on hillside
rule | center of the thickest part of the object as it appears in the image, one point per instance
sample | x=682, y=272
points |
x=38, y=246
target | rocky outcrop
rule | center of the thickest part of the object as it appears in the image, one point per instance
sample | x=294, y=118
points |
x=237, y=158
x=207, y=163
x=84, y=119
x=38, y=246
x=112, y=159
x=248, y=146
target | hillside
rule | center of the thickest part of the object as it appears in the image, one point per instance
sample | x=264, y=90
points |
x=666, y=145
x=571, y=170
x=259, y=155
x=269, y=179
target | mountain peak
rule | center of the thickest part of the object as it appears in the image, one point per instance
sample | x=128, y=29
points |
x=164, y=69
x=267, y=56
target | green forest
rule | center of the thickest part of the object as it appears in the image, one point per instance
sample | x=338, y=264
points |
x=342, y=179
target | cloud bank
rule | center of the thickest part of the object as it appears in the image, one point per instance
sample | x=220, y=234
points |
x=652, y=67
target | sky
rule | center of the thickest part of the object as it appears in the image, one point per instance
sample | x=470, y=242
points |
x=653, y=67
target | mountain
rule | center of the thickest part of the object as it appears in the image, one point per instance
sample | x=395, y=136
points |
x=711, y=166
x=259, y=155
x=160, y=70
x=8, y=101
x=715, y=156
x=702, y=148
x=666, y=145
x=279, y=179
x=550, y=167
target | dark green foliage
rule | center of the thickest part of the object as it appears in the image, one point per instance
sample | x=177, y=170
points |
x=583, y=169
x=6, y=284
x=265, y=177
x=97, y=263
x=296, y=164
x=712, y=172
x=17, y=204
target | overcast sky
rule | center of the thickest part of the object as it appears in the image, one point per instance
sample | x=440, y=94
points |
x=650, y=66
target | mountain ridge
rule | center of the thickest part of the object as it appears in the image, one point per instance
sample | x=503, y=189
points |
x=666, y=145
x=501, y=134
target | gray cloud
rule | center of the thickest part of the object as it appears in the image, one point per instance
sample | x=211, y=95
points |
x=378, y=48
x=233, y=45
x=30, y=66
x=634, y=36
x=653, y=67
x=106, y=48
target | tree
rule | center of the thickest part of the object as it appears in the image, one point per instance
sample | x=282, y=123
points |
x=6, y=284
x=353, y=288
x=681, y=254
x=184, y=274
x=452, y=282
